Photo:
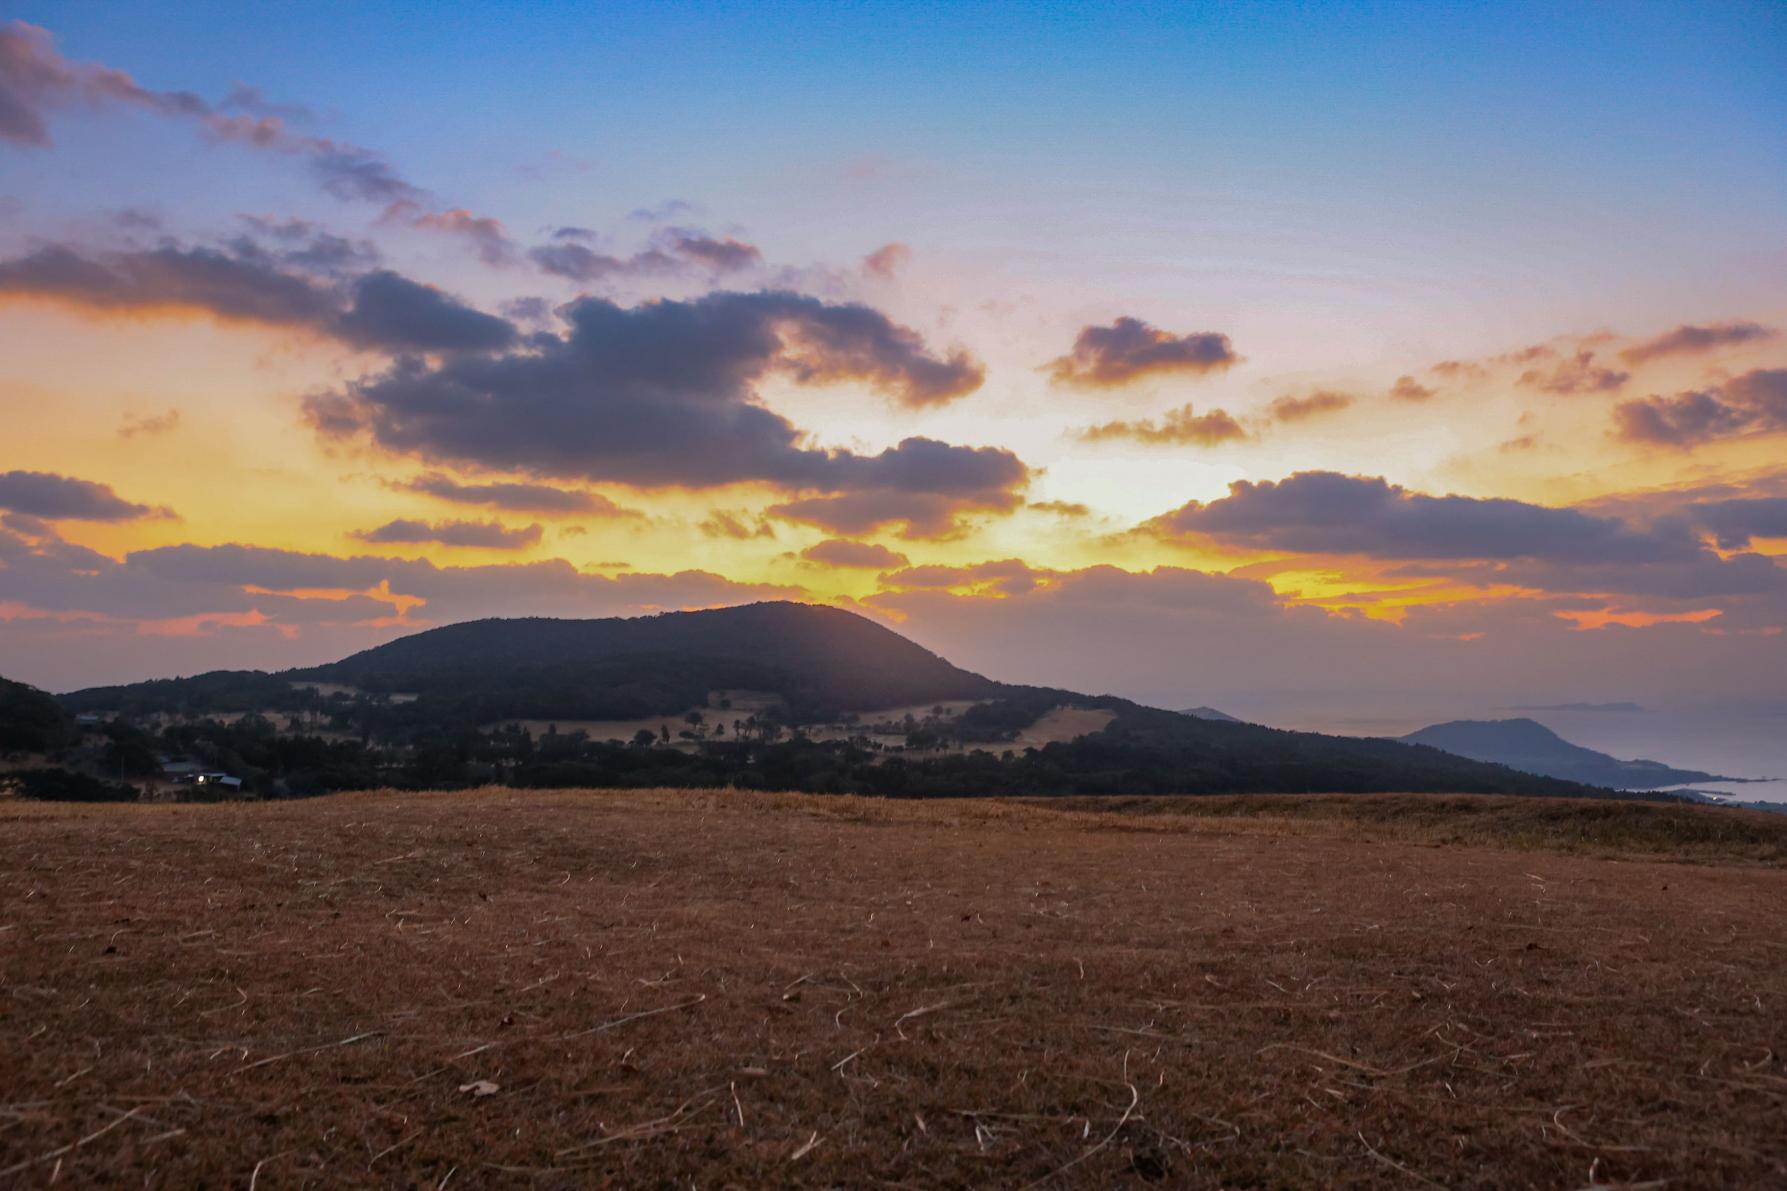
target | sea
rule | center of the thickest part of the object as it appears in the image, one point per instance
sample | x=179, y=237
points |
x=1739, y=741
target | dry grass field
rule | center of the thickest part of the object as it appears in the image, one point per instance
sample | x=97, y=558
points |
x=571, y=989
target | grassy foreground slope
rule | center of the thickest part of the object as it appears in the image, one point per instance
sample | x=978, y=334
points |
x=518, y=988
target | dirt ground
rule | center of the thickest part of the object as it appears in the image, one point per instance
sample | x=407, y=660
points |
x=570, y=989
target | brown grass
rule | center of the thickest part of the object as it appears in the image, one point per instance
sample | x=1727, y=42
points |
x=567, y=988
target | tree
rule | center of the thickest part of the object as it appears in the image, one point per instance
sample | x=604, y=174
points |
x=62, y=785
x=644, y=738
x=31, y=721
x=129, y=751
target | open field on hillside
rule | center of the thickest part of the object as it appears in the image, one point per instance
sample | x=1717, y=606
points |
x=503, y=988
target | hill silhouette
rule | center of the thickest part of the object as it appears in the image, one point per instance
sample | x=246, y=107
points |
x=30, y=720
x=822, y=664
x=1531, y=747
x=817, y=659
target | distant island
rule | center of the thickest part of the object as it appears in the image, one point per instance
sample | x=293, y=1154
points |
x=1531, y=747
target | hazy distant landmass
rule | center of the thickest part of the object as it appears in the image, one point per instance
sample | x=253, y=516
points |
x=1616, y=707
x=1530, y=746
x=823, y=700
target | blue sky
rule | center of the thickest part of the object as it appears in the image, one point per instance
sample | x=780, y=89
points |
x=1426, y=110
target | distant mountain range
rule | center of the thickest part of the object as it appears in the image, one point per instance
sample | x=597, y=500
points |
x=1531, y=747
x=826, y=673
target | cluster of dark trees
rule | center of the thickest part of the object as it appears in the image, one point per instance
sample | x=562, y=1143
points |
x=31, y=721
x=1141, y=752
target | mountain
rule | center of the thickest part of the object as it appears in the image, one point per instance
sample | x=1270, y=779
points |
x=1210, y=713
x=1531, y=747
x=31, y=721
x=817, y=659
x=346, y=729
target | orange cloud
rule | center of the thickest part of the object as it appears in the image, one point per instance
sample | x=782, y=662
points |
x=1178, y=426
x=1601, y=618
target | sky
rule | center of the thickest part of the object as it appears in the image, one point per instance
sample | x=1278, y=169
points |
x=1345, y=366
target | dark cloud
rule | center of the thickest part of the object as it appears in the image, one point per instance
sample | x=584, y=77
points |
x=1754, y=403
x=718, y=254
x=1178, y=427
x=52, y=497
x=921, y=484
x=26, y=524
x=379, y=310
x=1736, y=523
x=1692, y=340
x=840, y=552
x=207, y=279
x=519, y=498
x=483, y=535
x=391, y=311
x=1329, y=513
x=663, y=395
x=1679, y=421
x=1407, y=388
x=584, y=265
x=1489, y=544
x=672, y=251
x=1577, y=373
x=1130, y=349
x=1299, y=409
x=854, y=342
